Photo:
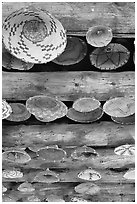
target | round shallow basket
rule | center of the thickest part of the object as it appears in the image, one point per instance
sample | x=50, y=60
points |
x=120, y=107
x=75, y=51
x=33, y=35
x=26, y=187
x=6, y=109
x=124, y=120
x=125, y=150
x=46, y=176
x=77, y=199
x=89, y=175
x=55, y=198
x=16, y=156
x=11, y=62
x=86, y=105
x=83, y=153
x=46, y=108
x=19, y=112
x=31, y=198
x=4, y=189
x=130, y=174
x=99, y=36
x=11, y=174
x=51, y=154
x=134, y=57
x=87, y=188
x=110, y=57
x=85, y=117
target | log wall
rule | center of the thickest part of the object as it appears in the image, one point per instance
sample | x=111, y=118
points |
x=67, y=84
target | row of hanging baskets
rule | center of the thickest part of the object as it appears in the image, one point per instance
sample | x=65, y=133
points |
x=54, y=154
x=30, y=190
x=49, y=176
x=33, y=36
x=84, y=110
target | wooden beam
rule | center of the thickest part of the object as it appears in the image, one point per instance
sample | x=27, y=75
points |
x=115, y=35
x=79, y=16
x=95, y=134
x=107, y=161
x=67, y=86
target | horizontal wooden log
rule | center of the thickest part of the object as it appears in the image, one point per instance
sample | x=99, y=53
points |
x=114, y=162
x=79, y=16
x=112, y=198
x=67, y=86
x=96, y=134
x=116, y=35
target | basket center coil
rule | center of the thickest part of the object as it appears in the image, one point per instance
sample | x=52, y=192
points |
x=35, y=30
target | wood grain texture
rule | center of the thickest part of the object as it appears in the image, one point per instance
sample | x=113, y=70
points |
x=96, y=134
x=104, y=136
x=67, y=86
x=77, y=17
x=109, y=192
x=113, y=162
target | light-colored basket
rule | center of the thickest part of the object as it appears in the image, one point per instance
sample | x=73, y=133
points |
x=33, y=35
